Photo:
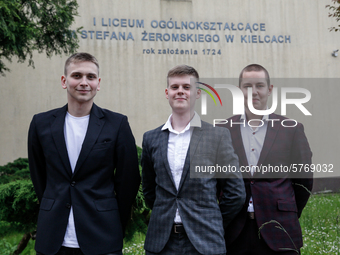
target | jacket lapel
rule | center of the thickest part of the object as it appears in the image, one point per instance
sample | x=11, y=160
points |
x=163, y=139
x=269, y=140
x=236, y=136
x=194, y=141
x=57, y=129
x=94, y=128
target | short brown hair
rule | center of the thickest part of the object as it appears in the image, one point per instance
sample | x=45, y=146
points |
x=80, y=57
x=182, y=70
x=254, y=68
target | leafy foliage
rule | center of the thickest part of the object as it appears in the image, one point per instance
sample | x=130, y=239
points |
x=6, y=247
x=335, y=13
x=18, y=201
x=19, y=205
x=41, y=25
x=16, y=170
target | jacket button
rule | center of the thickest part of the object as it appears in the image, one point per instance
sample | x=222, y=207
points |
x=73, y=183
x=68, y=206
x=251, y=182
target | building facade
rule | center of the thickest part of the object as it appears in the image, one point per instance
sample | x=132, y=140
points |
x=137, y=42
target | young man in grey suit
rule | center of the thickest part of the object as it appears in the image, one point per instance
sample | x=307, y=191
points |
x=84, y=168
x=186, y=218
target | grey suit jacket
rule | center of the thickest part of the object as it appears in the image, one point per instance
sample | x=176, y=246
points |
x=196, y=198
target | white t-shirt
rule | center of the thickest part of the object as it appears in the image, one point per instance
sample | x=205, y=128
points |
x=74, y=131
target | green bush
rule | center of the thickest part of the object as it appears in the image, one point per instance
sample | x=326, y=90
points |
x=18, y=202
x=19, y=205
x=5, y=228
x=17, y=170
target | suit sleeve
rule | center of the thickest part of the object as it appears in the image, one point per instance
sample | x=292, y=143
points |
x=148, y=175
x=301, y=154
x=232, y=186
x=127, y=176
x=36, y=160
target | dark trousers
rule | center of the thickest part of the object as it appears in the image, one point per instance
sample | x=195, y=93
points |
x=248, y=243
x=178, y=244
x=76, y=251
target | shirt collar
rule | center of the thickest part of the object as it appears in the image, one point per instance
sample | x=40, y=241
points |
x=195, y=122
x=264, y=117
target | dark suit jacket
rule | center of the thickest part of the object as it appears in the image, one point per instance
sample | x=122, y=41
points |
x=280, y=199
x=196, y=198
x=101, y=190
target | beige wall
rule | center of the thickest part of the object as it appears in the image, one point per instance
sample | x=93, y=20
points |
x=133, y=83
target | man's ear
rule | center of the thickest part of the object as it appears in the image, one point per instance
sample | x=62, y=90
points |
x=98, y=87
x=198, y=93
x=166, y=93
x=270, y=89
x=63, y=82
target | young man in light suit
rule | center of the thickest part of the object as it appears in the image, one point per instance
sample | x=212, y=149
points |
x=274, y=200
x=186, y=218
x=84, y=167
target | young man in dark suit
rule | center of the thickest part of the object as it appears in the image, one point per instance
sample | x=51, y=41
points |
x=186, y=218
x=84, y=167
x=274, y=201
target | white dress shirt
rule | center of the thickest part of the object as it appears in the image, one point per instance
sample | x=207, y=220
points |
x=178, y=145
x=253, y=140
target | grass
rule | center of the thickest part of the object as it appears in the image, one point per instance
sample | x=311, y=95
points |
x=320, y=223
x=135, y=246
x=9, y=243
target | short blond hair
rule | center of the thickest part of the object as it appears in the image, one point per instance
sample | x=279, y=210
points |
x=182, y=70
x=80, y=57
